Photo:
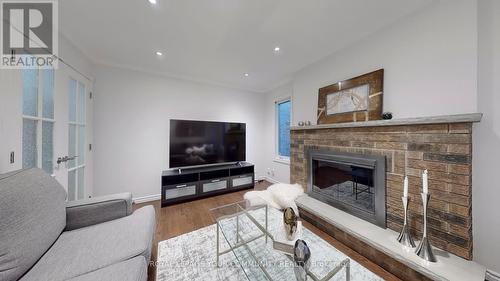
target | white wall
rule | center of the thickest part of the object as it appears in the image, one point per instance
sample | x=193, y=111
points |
x=73, y=56
x=429, y=60
x=276, y=170
x=10, y=119
x=132, y=112
x=486, y=190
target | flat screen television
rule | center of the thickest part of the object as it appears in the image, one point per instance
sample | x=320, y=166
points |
x=194, y=143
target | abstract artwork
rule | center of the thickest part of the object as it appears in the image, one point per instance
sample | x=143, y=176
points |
x=353, y=99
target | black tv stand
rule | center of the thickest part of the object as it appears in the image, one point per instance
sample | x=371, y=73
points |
x=181, y=185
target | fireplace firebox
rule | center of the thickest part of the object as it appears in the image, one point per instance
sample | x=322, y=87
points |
x=354, y=183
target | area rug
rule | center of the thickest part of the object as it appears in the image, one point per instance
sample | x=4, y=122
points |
x=192, y=256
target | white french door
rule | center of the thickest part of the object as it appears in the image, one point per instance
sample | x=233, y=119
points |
x=73, y=133
x=57, y=127
x=77, y=140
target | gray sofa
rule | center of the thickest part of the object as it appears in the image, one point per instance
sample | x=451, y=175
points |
x=43, y=237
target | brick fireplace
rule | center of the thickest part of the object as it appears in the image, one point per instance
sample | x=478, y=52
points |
x=443, y=146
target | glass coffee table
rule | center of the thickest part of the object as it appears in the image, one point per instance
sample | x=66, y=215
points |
x=248, y=233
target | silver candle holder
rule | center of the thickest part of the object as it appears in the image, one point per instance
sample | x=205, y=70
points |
x=424, y=249
x=405, y=237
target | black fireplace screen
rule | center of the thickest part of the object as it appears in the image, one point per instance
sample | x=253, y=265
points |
x=349, y=184
x=354, y=183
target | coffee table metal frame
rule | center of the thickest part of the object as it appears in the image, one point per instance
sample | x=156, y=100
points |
x=240, y=242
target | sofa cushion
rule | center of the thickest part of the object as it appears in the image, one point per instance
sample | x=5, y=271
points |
x=91, y=248
x=90, y=211
x=32, y=216
x=130, y=270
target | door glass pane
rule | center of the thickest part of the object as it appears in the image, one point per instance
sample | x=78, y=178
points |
x=48, y=93
x=71, y=185
x=284, y=128
x=81, y=180
x=29, y=144
x=77, y=138
x=81, y=145
x=30, y=92
x=72, y=101
x=81, y=103
x=47, y=146
x=72, y=145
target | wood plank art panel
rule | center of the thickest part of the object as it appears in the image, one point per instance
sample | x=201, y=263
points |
x=356, y=99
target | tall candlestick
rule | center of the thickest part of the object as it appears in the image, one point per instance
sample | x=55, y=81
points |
x=405, y=189
x=405, y=236
x=424, y=249
x=425, y=184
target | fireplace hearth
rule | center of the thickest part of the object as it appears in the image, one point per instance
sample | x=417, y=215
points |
x=354, y=183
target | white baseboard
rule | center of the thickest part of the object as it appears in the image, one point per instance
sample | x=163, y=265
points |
x=148, y=198
x=260, y=178
x=269, y=179
x=492, y=275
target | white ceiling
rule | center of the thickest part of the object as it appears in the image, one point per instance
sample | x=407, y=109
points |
x=217, y=41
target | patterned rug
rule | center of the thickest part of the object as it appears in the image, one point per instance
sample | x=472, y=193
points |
x=192, y=256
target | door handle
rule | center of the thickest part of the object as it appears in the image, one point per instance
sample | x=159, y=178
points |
x=65, y=159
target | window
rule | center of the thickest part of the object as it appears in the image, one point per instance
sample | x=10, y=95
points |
x=283, y=113
x=38, y=118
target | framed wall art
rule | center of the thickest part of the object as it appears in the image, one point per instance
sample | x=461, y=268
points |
x=353, y=100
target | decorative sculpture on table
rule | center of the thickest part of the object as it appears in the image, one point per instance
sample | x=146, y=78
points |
x=302, y=259
x=290, y=223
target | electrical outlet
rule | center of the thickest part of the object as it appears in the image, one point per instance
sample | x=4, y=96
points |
x=12, y=158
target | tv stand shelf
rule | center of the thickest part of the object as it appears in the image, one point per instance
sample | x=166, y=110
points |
x=186, y=184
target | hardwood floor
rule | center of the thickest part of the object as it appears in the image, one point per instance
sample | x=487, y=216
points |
x=182, y=218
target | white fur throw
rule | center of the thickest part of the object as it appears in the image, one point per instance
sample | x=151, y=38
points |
x=279, y=196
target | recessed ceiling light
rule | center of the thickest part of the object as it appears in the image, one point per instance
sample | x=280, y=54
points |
x=152, y=2
x=246, y=74
x=276, y=49
x=158, y=53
